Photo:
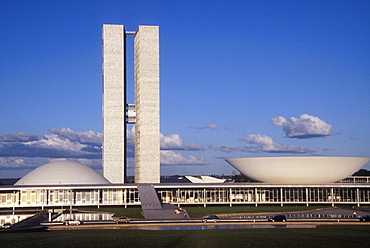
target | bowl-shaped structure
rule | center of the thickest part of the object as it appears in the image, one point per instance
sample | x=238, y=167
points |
x=298, y=170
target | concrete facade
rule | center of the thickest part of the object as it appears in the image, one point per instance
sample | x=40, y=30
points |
x=145, y=109
x=114, y=101
x=147, y=140
x=252, y=194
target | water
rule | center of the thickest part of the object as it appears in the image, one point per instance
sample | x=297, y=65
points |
x=85, y=216
x=108, y=216
x=211, y=227
x=13, y=218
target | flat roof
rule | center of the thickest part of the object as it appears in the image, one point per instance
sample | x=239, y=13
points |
x=187, y=185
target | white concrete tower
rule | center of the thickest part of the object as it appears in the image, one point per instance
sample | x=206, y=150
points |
x=114, y=103
x=147, y=140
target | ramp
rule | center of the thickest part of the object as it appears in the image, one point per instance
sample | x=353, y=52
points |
x=154, y=209
x=148, y=198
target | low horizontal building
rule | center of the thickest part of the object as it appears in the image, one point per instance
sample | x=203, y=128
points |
x=185, y=194
x=69, y=184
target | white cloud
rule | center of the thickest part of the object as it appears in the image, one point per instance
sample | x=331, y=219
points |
x=10, y=163
x=18, y=137
x=17, y=163
x=86, y=137
x=209, y=126
x=167, y=142
x=307, y=126
x=25, y=151
x=266, y=144
x=229, y=149
x=174, y=142
x=63, y=143
x=173, y=158
x=212, y=126
x=57, y=143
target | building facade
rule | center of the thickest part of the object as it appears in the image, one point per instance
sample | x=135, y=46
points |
x=253, y=194
x=117, y=113
x=147, y=133
x=114, y=102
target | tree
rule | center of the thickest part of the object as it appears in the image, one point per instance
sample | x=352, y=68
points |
x=362, y=172
x=240, y=178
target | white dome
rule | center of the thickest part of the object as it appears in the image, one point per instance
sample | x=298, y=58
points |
x=62, y=173
x=298, y=170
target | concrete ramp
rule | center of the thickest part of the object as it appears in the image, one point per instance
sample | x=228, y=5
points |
x=154, y=209
x=148, y=198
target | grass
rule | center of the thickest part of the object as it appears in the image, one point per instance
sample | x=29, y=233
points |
x=132, y=212
x=198, y=212
x=323, y=236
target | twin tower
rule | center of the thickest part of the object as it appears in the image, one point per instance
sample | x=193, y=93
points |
x=144, y=113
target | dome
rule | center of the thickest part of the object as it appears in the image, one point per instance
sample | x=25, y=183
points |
x=62, y=173
x=298, y=170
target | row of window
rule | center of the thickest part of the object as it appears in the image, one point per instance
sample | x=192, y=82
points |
x=185, y=196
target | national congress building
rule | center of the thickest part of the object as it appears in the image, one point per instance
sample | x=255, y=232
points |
x=69, y=184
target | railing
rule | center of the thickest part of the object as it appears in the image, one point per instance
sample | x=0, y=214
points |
x=356, y=179
x=288, y=216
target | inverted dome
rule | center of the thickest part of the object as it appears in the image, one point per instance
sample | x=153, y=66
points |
x=298, y=170
x=62, y=173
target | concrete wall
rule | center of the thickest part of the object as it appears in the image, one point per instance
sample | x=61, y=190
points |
x=114, y=100
x=147, y=142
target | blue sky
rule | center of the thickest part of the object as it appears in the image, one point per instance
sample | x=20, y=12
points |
x=238, y=79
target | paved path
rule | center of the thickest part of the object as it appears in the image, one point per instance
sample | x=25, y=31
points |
x=338, y=211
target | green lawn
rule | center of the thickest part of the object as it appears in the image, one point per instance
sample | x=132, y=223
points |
x=132, y=211
x=197, y=212
x=323, y=236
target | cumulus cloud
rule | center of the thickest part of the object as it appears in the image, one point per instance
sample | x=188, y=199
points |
x=209, y=126
x=266, y=144
x=18, y=137
x=29, y=151
x=307, y=126
x=66, y=143
x=260, y=143
x=63, y=143
x=173, y=158
x=167, y=142
x=174, y=142
x=10, y=163
x=15, y=163
x=90, y=137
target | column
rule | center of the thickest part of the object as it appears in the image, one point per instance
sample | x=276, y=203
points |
x=114, y=103
x=147, y=141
